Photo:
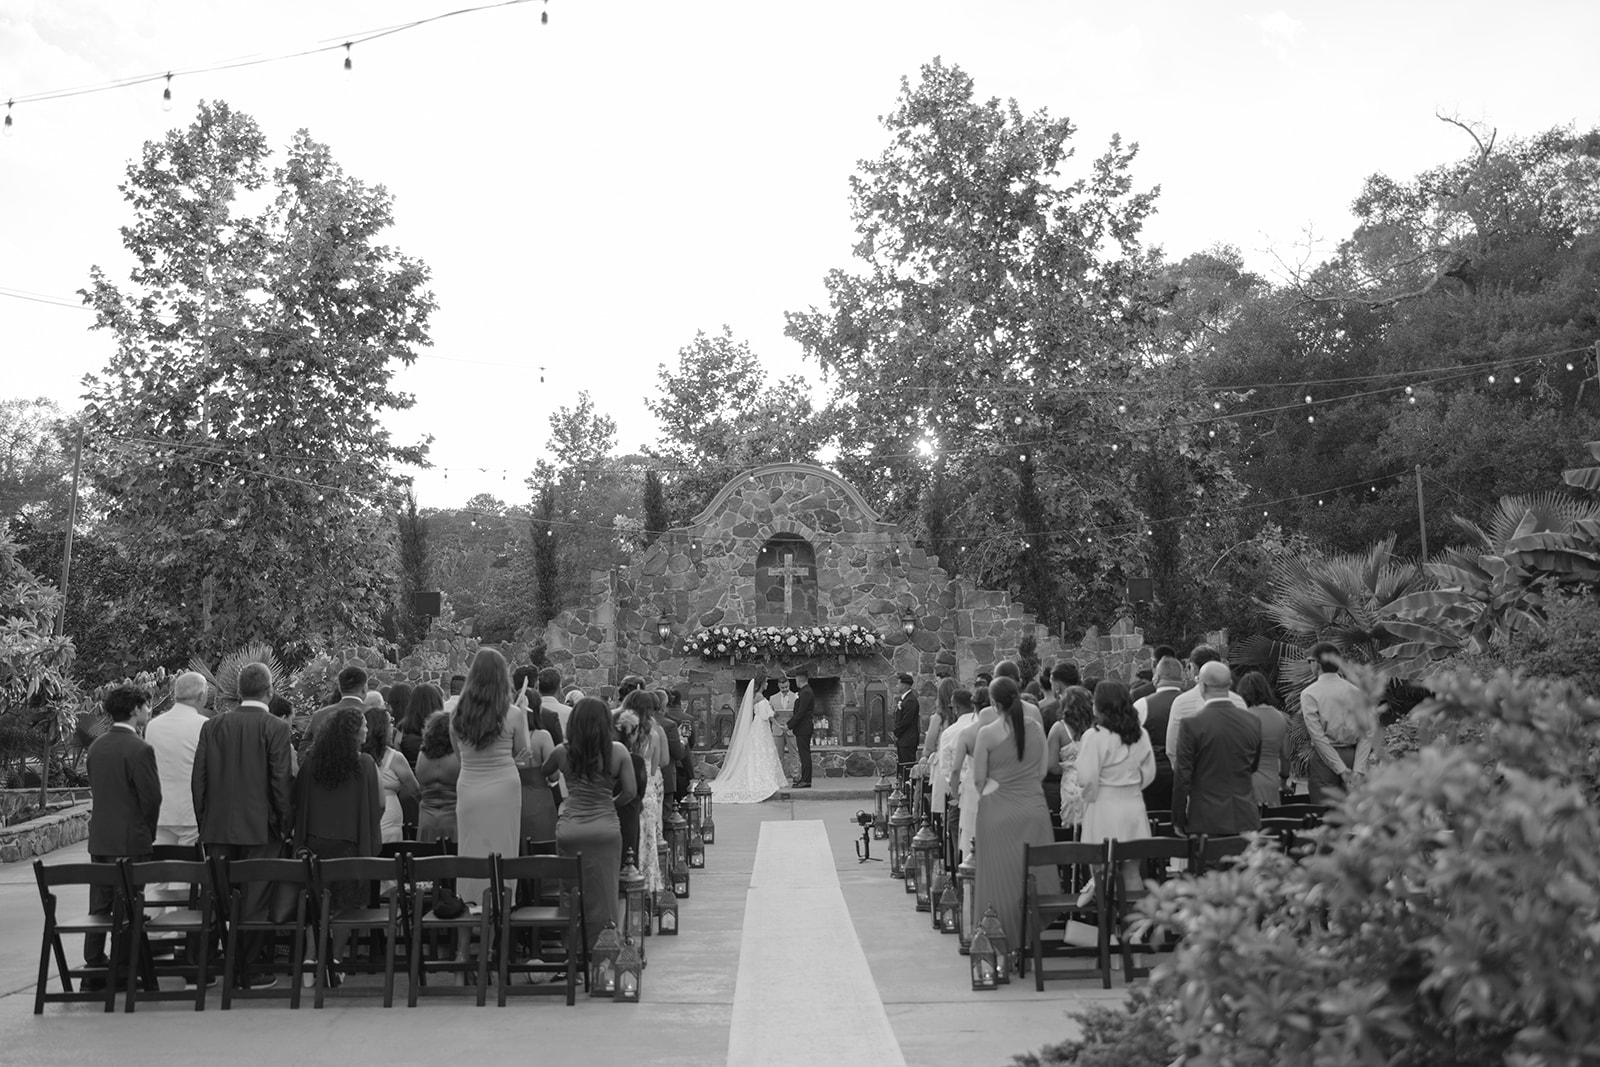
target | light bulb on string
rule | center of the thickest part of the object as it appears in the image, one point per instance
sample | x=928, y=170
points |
x=1311, y=418
x=348, y=65
x=1517, y=380
x=6, y=129
x=166, y=95
x=1216, y=405
x=1569, y=366
x=1308, y=398
x=1491, y=379
x=1122, y=409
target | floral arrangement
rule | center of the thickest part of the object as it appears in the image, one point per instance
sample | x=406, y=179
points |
x=759, y=642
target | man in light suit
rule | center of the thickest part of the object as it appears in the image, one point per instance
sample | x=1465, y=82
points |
x=174, y=735
x=1333, y=710
x=125, y=790
x=241, y=786
x=1213, y=769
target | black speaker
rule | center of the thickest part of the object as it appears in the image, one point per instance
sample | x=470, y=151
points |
x=429, y=603
x=1141, y=590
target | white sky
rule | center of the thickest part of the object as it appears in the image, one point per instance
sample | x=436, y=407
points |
x=590, y=193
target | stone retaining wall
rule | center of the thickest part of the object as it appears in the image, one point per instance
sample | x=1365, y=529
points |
x=40, y=836
x=15, y=800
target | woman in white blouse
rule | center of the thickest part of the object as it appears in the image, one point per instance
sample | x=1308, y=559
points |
x=1115, y=763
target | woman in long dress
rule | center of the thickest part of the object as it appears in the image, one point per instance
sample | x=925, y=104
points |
x=599, y=776
x=438, y=770
x=1061, y=748
x=395, y=776
x=1008, y=767
x=1272, y=774
x=491, y=737
x=1115, y=763
x=649, y=742
x=961, y=771
x=751, y=771
x=538, y=798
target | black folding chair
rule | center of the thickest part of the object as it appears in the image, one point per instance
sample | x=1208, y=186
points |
x=1208, y=852
x=384, y=918
x=550, y=877
x=292, y=877
x=447, y=870
x=191, y=925
x=180, y=896
x=1154, y=856
x=1040, y=911
x=1303, y=812
x=115, y=926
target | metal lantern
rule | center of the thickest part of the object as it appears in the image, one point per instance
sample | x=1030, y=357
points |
x=678, y=836
x=697, y=849
x=666, y=913
x=990, y=926
x=982, y=958
x=919, y=805
x=899, y=837
x=935, y=892
x=630, y=969
x=603, y=962
x=692, y=813
x=635, y=919
x=948, y=914
x=702, y=798
x=664, y=856
x=924, y=861
x=967, y=899
x=880, y=813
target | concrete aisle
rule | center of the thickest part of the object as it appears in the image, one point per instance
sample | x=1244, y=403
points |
x=684, y=1018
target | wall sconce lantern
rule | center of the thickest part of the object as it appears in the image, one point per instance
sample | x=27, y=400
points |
x=664, y=627
x=908, y=622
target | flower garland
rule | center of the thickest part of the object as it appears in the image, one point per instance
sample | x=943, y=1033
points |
x=756, y=642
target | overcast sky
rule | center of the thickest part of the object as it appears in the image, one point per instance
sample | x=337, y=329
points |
x=591, y=192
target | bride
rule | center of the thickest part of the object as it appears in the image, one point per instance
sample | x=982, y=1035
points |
x=751, y=771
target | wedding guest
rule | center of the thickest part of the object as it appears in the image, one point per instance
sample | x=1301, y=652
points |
x=425, y=700
x=1115, y=763
x=538, y=796
x=1063, y=676
x=1155, y=713
x=671, y=775
x=961, y=781
x=338, y=807
x=1146, y=684
x=571, y=699
x=907, y=718
x=651, y=745
x=525, y=685
x=1332, y=708
x=1272, y=775
x=397, y=698
x=1008, y=669
x=396, y=780
x=1008, y=765
x=683, y=726
x=946, y=784
x=241, y=787
x=125, y=788
x=599, y=776
x=1075, y=715
x=550, y=700
x=458, y=682
x=630, y=816
x=1189, y=701
x=438, y=768
x=1213, y=769
x=173, y=736
x=490, y=734
x=352, y=694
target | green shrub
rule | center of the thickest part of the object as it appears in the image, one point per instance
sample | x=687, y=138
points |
x=1131, y=1034
x=1448, y=915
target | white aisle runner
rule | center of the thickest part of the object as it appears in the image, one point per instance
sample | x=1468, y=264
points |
x=805, y=995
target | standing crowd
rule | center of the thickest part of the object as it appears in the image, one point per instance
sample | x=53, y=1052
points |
x=1190, y=744
x=504, y=765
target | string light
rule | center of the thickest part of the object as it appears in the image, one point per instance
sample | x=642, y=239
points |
x=6, y=129
x=348, y=64
x=166, y=95
x=1491, y=379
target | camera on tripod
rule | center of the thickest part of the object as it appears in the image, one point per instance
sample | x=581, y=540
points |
x=863, y=819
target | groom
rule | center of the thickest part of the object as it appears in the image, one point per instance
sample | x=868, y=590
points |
x=800, y=723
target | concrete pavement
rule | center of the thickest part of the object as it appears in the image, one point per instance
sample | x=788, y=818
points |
x=688, y=990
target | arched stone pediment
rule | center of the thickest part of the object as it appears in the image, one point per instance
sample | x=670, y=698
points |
x=802, y=470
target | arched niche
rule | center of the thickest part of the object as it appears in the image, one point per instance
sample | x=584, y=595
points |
x=786, y=582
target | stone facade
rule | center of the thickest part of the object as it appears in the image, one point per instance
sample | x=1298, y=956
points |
x=794, y=544
x=45, y=834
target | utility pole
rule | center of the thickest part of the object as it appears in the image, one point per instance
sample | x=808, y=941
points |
x=1422, y=511
x=72, y=520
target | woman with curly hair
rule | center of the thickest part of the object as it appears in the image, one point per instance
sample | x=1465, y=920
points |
x=491, y=738
x=599, y=775
x=395, y=776
x=650, y=743
x=1115, y=763
x=337, y=804
x=1061, y=750
x=438, y=768
x=425, y=700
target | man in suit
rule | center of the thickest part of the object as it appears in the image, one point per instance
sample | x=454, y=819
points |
x=550, y=696
x=680, y=728
x=1333, y=710
x=1219, y=749
x=1190, y=700
x=1147, y=684
x=907, y=721
x=1154, y=713
x=125, y=788
x=174, y=735
x=1063, y=676
x=352, y=694
x=241, y=786
x=800, y=724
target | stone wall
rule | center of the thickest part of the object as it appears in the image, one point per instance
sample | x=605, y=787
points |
x=867, y=572
x=43, y=835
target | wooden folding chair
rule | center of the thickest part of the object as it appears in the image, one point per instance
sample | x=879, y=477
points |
x=1154, y=856
x=1041, y=910
x=233, y=879
x=1314, y=812
x=385, y=917
x=115, y=926
x=1208, y=852
x=178, y=896
x=190, y=924
x=557, y=877
x=446, y=870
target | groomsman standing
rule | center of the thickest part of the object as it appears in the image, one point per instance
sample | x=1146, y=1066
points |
x=907, y=718
x=125, y=789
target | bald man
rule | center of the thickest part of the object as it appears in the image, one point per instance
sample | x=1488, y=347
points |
x=1219, y=749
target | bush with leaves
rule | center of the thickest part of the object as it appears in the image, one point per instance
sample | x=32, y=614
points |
x=1450, y=914
x=1131, y=1034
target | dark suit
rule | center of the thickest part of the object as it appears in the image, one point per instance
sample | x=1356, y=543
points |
x=126, y=793
x=1158, y=710
x=1213, y=788
x=242, y=796
x=801, y=725
x=907, y=719
x=320, y=717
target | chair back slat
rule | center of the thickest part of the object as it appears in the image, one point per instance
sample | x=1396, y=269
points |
x=178, y=852
x=240, y=872
x=54, y=874
x=449, y=868
x=360, y=869
x=189, y=872
x=390, y=849
x=1152, y=848
x=1064, y=854
x=554, y=868
x=530, y=847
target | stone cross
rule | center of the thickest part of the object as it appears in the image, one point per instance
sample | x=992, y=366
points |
x=788, y=572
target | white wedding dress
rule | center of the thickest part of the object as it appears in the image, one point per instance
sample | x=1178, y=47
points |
x=751, y=771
